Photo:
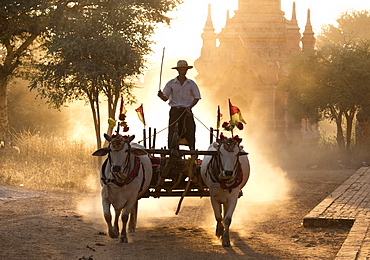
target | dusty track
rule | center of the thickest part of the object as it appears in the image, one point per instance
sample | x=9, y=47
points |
x=40, y=225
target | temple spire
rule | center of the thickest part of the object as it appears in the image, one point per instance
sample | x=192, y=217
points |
x=209, y=36
x=308, y=24
x=227, y=15
x=308, y=39
x=209, y=23
x=293, y=34
x=294, y=16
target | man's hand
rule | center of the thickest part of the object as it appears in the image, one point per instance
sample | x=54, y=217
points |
x=188, y=110
x=162, y=96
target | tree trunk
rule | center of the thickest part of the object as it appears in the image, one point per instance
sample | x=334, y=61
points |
x=338, y=121
x=94, y=105
x=4, y=120
x=349, y=120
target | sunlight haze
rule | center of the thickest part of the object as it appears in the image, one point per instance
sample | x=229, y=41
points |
x=183, y=37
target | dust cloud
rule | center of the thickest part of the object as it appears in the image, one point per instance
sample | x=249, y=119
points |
x=268, y=183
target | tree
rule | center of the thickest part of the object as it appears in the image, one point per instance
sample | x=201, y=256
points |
x=352, y=26
x=346, y=81
x=333, y=81
x=21, y=23
x=97, y=49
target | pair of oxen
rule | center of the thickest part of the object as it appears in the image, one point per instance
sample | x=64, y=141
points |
x=126, y=175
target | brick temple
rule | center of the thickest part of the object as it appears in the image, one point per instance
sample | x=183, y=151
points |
x=245, y=61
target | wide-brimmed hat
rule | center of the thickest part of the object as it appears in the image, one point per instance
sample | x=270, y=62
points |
x=182, y=64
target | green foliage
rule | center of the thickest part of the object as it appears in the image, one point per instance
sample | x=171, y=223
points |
x=21, y=22
x=20, y=18
x=98, y=49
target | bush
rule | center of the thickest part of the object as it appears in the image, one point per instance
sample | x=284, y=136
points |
x=49, y=163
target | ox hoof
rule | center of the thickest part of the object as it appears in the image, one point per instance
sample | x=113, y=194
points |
x=123, y=240
x=219, y=231
x=131, y=230
x=226, y=243
x=113, y=233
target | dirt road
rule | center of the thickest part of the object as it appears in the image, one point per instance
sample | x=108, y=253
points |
x=40, y=225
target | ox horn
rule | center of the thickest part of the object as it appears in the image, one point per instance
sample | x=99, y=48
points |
x=130, y=138
x=107, y=137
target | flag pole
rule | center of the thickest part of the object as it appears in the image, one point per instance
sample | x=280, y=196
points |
x=232, y=127
x=160, y=75
x=218, y=121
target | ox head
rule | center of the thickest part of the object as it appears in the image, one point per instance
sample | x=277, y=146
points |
x=119, y=152
x=229, y=150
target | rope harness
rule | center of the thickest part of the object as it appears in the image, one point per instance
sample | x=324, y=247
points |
x=215, y=167
x=130, y=177
x=126, y=168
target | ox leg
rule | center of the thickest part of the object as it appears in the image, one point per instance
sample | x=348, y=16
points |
x=126, y=211
x=228, y=210
x=116, y=218
x=123, y=237
x=113, y=233
x=218, y=216
x=133, y=219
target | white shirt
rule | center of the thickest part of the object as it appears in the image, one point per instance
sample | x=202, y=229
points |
x=181, y=96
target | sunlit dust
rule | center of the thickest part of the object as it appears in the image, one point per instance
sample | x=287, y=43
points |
x=268, y=182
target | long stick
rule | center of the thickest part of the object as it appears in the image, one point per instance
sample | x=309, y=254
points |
x=160, y=75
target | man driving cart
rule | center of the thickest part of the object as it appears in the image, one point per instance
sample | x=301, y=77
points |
x=183, y=94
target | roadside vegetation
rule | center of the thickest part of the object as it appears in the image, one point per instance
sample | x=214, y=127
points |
x=49, y=163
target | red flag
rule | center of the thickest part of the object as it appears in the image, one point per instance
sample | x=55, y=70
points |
x=140, y=113
x=236, y=117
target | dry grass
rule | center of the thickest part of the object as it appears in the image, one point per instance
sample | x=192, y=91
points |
x=49, y=163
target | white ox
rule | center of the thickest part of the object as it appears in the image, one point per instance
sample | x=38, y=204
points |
x=225, y=174
x=125, y=176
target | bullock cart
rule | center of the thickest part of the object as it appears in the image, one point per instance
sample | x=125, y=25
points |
x=132, y=171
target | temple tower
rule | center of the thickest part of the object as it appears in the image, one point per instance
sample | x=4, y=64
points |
x=308, y=39
x=293, y=34
x=209, y=37
x=247, y=64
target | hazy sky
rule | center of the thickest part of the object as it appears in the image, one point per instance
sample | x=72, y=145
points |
x=183, y=39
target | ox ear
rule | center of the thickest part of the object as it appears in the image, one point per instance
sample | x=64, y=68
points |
x=138, y=152
x=102, y=151
x=130, y=138
x=241, y=153
x=107, y=137
x=216, y=145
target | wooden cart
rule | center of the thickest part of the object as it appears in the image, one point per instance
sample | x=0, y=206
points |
x=176, y=172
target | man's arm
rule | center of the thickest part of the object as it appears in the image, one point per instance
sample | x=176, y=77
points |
x=195, y=101
x=162, y=96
